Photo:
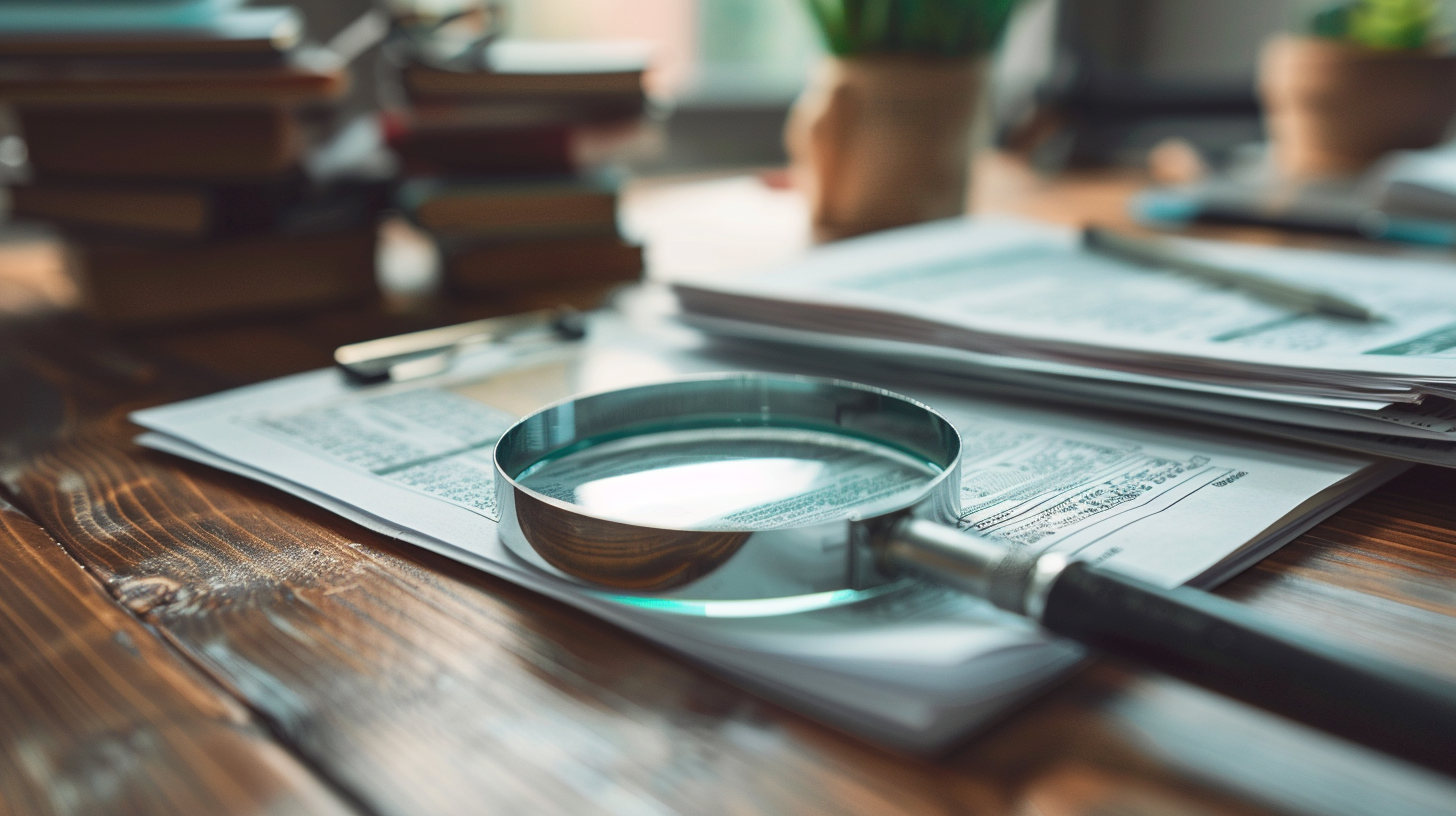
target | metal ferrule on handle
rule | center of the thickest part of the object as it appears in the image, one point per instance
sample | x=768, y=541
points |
x=1009, y=577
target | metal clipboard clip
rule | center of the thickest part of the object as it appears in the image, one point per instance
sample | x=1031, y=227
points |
x=432, y=351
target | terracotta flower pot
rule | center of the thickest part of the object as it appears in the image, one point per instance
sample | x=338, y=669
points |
x=1332, y=108
x=883, y=141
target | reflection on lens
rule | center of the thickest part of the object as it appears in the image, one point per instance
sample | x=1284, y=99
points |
x=755, y=478
x=758, y=607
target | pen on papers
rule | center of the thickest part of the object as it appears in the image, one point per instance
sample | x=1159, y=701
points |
x=1156, y=253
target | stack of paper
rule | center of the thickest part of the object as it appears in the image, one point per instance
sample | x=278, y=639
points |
x=916, y=667
x=1417, y=184
x=1023, y=305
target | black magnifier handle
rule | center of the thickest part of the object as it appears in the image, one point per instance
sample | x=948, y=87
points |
x=1200, y=638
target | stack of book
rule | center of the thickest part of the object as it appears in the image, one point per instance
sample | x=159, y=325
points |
x=184, y=149
x=506, y=166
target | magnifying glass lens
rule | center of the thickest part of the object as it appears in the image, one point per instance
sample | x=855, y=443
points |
x=737, y=489
x=731, y=478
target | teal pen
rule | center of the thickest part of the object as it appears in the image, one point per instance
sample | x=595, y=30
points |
x=1162, y=208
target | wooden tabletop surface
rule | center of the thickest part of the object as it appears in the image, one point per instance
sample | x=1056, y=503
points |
x=178, y=640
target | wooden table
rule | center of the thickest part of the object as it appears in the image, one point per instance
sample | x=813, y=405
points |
x=178, y=640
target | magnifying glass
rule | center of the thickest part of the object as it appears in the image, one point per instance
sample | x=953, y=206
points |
x=752, y=494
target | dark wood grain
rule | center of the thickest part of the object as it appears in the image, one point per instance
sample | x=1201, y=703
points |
x=415, y=685
x=421, y=686
x=419, y=690
x=98, y=716
x=1380, y=575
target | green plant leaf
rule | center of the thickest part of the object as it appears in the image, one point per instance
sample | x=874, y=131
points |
x=949, y=28
x=1383, y=24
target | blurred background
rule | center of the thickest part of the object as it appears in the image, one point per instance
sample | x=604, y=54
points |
x=1121, y=74
x=196, y=160
x=1124, y=74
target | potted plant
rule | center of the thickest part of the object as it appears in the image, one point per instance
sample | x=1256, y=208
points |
x=881, y=135
x=1370, y=76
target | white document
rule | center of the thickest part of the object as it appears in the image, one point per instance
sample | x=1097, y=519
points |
x=1414, y=433
x=1020, y=304
x=915, y=667
x=1417, y=183
x=1008, y=286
